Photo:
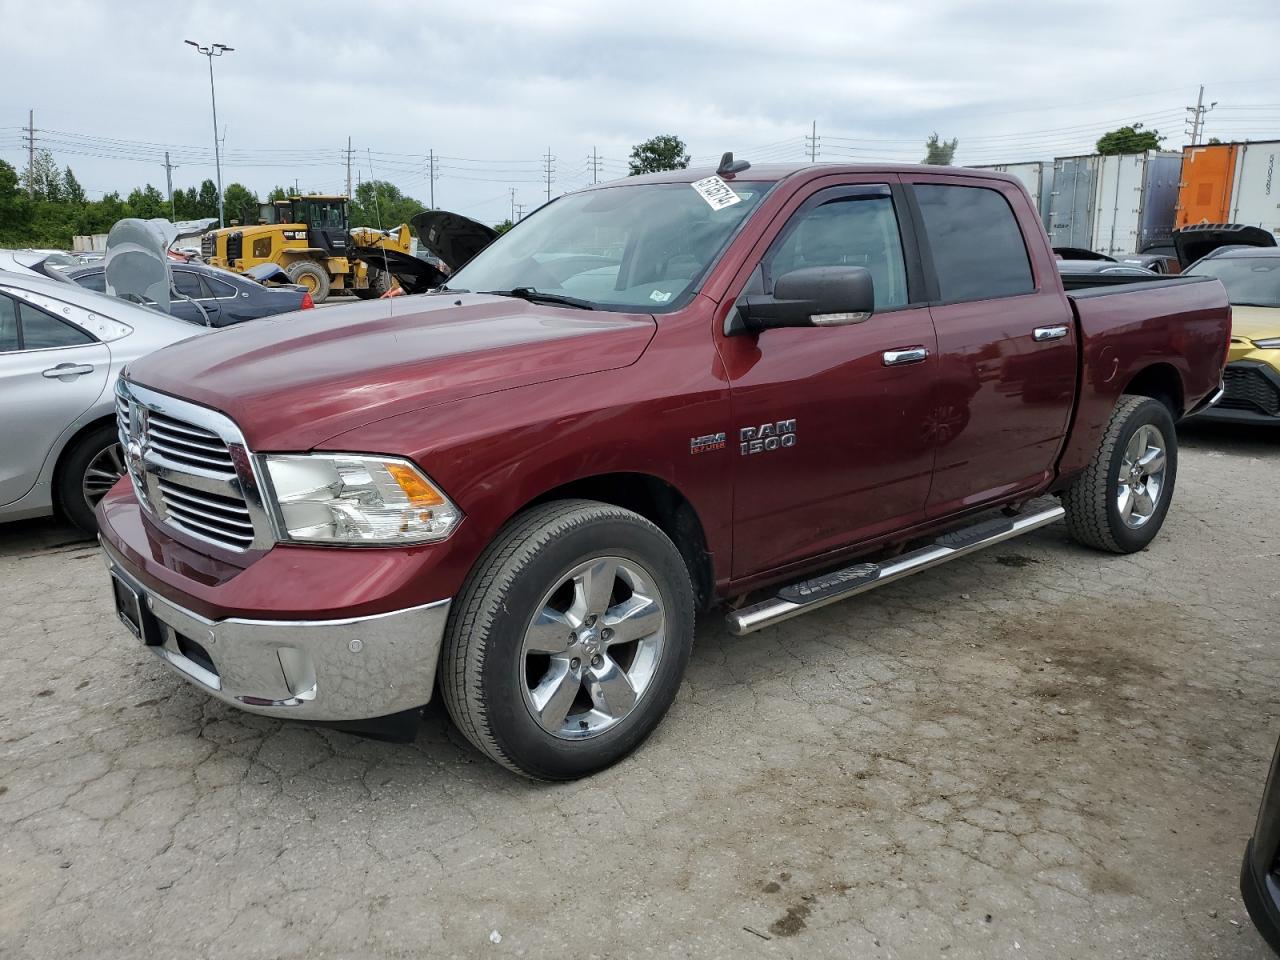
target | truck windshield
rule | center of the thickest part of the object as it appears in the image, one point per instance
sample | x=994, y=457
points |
x=622, y=247
x=1250, y=281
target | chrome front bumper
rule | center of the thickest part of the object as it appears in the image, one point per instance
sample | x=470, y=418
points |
x=351, y=669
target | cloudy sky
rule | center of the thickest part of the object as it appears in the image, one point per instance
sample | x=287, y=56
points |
x=492, y=87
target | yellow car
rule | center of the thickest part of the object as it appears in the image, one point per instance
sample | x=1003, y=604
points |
x=1252, y=378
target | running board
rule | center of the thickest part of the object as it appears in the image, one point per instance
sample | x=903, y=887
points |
x=797, y=598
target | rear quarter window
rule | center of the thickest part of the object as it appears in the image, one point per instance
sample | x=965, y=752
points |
x=977, y=246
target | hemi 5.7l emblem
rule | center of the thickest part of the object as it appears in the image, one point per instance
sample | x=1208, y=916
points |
x=767, y=436
x=708, y=442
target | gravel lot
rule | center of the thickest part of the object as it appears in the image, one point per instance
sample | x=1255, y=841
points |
x=1036, y=752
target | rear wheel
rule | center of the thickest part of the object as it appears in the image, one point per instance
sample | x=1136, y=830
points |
x=311, y=277
x=1120, y=501
x=569, y=641
x=89, y=469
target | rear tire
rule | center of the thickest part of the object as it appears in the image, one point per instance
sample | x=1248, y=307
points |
x=85, y=474
x=539, y=679
x=312, y=276
x=1120, y=501
x=379, y=284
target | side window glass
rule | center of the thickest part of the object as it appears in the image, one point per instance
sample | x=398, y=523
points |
x=846, y=231
x=187, y=284
x=96, y=281
x=42, y=332
x=219, y=288
x=8, y=325
x=977, y=246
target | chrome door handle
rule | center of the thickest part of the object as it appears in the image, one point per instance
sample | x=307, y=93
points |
x=67, y=370
x=893, y=358
x=1056, y=332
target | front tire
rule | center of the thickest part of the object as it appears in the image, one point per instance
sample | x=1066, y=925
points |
x=1120, y=501
x=312, y=277
x=88, y=470
x=569, y=640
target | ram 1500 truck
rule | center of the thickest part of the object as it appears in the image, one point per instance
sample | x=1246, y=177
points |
x=770, y=388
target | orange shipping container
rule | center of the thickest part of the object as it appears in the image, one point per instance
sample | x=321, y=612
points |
x=1204, y=195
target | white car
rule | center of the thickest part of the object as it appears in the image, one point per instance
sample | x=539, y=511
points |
x=61, y=350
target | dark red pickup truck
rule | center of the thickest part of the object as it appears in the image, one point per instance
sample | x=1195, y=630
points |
x=774, y=386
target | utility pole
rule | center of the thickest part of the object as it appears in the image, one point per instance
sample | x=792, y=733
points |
x=211, y=51
x=1198, y=113
x=431, y=171
x=31, y=153
x=168, y=181
x=519, y=212
x=547, y=167
x=811, y=142
x=296, y=191
x=595, y=166
x=513, y=204
x=349, y=194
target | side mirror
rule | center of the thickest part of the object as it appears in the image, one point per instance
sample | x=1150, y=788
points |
x=812, y=297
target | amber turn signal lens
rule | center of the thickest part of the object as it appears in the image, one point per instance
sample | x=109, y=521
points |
x=419, y=492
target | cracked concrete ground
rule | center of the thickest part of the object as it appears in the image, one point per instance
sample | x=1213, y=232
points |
x=1037, y=752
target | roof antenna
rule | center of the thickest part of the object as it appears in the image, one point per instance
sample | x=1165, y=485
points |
x=729, y=166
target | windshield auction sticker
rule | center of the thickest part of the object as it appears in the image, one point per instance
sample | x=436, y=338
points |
x=716, y=192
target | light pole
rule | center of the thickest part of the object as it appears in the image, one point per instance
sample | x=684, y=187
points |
x=211, y=51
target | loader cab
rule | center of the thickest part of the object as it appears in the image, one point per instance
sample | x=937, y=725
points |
x=325, y=219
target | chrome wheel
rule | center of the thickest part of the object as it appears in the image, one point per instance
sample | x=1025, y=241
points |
x=101, y=474
x=592, y=649
x=1141, y=480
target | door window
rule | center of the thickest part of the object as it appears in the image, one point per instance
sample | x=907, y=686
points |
x=977, y=246
x=855, y=231
x=219, y=288
x=40, y=331
x=96, y=281
x=187, y=284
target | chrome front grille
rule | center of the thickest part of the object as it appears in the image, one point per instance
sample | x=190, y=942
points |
x=190, y=446
x=224, y=519
x=191, y=469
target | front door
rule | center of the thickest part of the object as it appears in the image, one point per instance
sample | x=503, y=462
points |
x=51, y=371
x=829, y=425
x=1006, y=342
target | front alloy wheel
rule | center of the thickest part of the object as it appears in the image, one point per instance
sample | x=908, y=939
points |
x=592, y=648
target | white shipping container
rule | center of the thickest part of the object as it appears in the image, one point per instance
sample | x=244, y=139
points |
x=1135, y=200
x=1255, y=195
x=1072, y=200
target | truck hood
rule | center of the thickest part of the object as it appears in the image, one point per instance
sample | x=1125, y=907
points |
x=1198, y=239
x=293, y=381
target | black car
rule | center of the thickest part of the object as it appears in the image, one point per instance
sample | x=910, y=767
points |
x=225, y=297
x=1260, y=873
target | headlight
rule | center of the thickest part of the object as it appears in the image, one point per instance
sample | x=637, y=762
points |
x=1271, y=344
x=347, y=498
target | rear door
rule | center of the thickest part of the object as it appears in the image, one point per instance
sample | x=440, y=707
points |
x=1006, y=341
x=830, y=434
x=51, y=371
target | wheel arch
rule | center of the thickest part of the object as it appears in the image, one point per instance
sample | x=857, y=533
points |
x=659, y=502
x=1160, y=381
x=60, y=457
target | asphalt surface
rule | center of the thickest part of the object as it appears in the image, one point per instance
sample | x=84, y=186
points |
x=1036, y=752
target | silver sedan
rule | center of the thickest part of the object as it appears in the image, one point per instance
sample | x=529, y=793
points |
x=61, y=350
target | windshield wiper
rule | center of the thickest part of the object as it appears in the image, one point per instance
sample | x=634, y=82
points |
x=537, y=296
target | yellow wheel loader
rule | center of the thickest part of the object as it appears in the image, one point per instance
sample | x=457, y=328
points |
x=310, y=240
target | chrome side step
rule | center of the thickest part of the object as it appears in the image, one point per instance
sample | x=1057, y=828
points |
x=797, y=598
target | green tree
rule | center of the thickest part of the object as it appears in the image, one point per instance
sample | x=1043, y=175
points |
x=940, y=152
x=1131, y=139
x=206, y=204
x=504, y=226
x=15, y=209
x=277, y=193
x=378, y=203
x=73, y=193
x=42, y=179
x=186, y=204
x=663, y=152
x=148, y=202
x=240, y=203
